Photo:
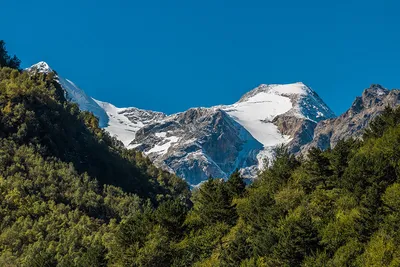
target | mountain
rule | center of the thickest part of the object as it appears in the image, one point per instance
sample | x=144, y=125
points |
x=62, y=206
x=203, y=142
x=275, y=114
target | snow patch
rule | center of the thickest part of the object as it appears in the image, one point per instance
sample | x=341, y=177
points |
x=161, y=134
x=162, y=149
x=380, y=92
x=256, y=114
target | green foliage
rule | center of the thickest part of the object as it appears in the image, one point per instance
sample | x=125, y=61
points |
x=212, y=204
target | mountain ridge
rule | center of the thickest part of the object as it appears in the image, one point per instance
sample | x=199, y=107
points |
x=214, y=141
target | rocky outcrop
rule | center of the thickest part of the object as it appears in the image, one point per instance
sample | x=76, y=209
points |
x=145, y=117
x=300, y=130
x=353, y=122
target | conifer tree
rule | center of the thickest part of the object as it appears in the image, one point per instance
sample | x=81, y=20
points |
x=236, y=184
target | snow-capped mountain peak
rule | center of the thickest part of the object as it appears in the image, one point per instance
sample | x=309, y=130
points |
x=305, y=103
x=297, y=88
x=257, y=109
x=41, y=67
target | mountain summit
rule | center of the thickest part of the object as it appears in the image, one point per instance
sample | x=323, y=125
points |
x=41, y=67
x=257, y=109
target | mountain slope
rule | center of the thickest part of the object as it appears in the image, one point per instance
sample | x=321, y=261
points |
x=60, y=202
x=60, y=130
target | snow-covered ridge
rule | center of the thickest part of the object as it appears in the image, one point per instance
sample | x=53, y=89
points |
x=297, y=88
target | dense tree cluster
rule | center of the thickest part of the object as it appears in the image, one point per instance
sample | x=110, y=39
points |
x=70, y=195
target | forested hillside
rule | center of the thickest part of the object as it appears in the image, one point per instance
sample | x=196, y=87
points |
x=67, y=189
x=70, y=195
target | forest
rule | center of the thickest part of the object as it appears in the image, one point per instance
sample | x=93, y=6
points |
x=72, y=195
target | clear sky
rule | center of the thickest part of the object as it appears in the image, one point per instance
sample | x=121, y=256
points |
x=172, y=55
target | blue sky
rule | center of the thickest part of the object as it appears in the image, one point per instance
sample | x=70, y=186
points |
x=172, y=55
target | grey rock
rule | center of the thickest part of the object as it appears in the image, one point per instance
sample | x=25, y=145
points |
x=357, y=118
x=198, y=143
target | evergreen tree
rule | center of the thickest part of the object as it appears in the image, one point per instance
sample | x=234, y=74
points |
x=212, y=203
x=235, y=184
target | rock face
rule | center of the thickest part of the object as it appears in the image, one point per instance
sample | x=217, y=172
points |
x=352, y=123
x=300, y=130
x=203, y=142
x=198, y=143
